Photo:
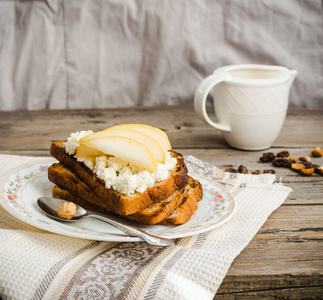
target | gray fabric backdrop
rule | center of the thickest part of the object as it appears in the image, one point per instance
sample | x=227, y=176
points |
x=62, y=54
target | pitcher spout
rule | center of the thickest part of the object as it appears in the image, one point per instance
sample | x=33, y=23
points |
x=292, y=76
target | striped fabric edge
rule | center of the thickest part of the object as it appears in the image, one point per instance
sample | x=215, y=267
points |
x=64, y=277
x=110, y=255
x=146, y=272
x=53, y=271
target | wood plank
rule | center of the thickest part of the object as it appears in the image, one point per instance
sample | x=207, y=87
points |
x=229, y=157
x=296, y=234
x=309, y=292
x=306, y=189
x=34, y=130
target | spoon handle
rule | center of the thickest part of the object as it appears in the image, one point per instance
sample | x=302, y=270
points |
x=150, y=239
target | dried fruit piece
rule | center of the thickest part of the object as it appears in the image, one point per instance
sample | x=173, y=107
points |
x=317, y=152
x=267, y=157
x=284, y=153
x=269, y=171
x=256, y=172
x=316, y=168
x=293, y=160
x=307, y=171
x=305, y=158
x=298, y=166
x=231, y=170
x=242, y=169
x=321, y=170
x=282, y=162
x=307, y=164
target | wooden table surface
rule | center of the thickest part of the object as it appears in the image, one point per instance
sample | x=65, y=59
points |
x=285, y=258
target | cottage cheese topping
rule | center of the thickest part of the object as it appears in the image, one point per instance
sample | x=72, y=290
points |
x=117, y=173
x=89, y=162
x=72, y=141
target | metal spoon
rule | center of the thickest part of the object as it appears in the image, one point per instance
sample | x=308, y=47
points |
x=50, y=205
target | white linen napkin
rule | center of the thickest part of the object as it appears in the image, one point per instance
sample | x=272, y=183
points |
x=35, y=264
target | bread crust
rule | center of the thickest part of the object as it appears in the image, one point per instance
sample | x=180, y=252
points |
x=157, y=212
x=188, y=206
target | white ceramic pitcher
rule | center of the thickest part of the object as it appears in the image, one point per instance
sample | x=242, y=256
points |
x=250, y=103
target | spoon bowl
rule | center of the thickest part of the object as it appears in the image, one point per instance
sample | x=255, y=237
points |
x=50, y=206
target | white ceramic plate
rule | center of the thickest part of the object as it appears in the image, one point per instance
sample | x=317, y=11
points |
x=21, y=188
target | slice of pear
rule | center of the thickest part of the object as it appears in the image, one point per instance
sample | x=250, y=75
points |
x=138, y=136
x=84, y=151
x=157, y=134
x=126, y=149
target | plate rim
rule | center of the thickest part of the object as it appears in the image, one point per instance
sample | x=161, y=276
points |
x=108, y=236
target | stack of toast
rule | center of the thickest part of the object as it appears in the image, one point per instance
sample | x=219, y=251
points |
x=171, y=201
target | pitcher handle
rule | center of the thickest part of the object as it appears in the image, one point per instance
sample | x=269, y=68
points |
x=200, y=98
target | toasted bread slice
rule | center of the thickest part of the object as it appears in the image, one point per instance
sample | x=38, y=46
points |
x=157, y=212
x=183, y=202
x=67, y=180
x=188, y=206
x=176, y=209
x=109, y=198
x=60, y=193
